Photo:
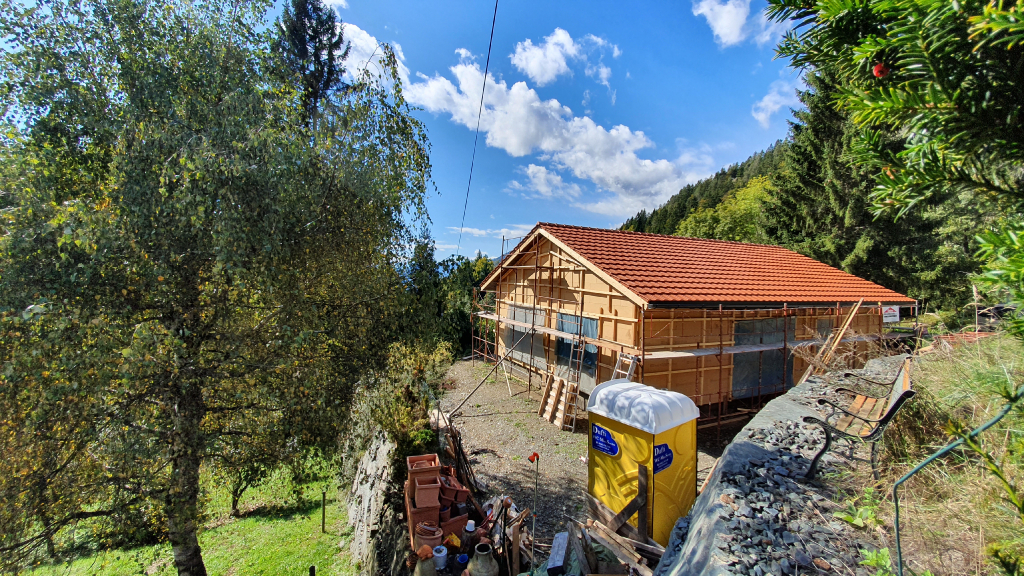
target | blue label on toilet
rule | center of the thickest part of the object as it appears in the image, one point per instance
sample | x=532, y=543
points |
x=662, y=457
x=603, y=441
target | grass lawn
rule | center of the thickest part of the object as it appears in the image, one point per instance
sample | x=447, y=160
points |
x=271, y=537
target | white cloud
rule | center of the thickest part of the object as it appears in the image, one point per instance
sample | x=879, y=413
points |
x=727, y=19
x=365, y=55
x=515, y=231
x=339, y=3
x=601, y=42
x=730, y=23
x=545, y=62
x=445, y=247
x=769, y=32
x=544, y=183
x=782, y=93
x=601, y=72
x=515, y=119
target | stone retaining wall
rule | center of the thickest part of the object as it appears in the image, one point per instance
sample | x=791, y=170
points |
x=757, y=515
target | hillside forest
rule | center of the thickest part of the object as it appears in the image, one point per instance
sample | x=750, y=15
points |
x=810, y=193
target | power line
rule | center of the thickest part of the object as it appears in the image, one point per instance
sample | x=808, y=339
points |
x=476, y=138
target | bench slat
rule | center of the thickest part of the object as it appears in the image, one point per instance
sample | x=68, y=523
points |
x=846, y=421
x=876, y=412
x=864, y=411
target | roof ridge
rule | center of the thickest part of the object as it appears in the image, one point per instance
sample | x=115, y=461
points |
x=613, y=230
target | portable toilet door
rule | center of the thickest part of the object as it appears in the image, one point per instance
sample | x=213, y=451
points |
x=633, y=425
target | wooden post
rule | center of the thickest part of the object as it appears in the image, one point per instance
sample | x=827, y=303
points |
x=323, y=512
x=515, y=546
x=312, y=571
x=641, y=514
x=643, y=343
x=785, y=343
x=721, y=372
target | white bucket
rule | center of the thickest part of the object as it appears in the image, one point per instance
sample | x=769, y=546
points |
x=440, y=557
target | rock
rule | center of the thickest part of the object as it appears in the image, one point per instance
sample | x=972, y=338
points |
x=781, y=471
x=786, y=566
x=788, y=538
x=802, y=558
x=746, y=512
x=822, y=564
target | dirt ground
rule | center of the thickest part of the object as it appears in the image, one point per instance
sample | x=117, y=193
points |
x=501, y=431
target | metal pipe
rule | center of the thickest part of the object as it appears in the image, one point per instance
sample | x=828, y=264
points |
x=489, y=372
x=535, y=458
x=974, y=433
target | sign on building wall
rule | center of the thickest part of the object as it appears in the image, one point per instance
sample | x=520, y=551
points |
x=890, y=314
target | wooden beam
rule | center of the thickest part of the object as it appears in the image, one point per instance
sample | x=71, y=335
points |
x=641, y=488
x=622, y=554
x=577, y=549
x=515, y=547
x=652, y=548
x=598, y=511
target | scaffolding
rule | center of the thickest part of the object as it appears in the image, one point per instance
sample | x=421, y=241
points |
x=729, y=359
x=549, y=317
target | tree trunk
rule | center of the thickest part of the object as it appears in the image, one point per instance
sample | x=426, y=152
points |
x=237, y=489
x=182, y=500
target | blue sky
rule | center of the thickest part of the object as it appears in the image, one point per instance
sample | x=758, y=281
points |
x=593, y=110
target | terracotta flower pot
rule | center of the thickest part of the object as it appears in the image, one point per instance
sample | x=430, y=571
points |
x=423, y=466
x=427, y=534
x=427, y=491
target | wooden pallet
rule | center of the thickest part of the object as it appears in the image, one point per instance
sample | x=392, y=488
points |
x=558, y=402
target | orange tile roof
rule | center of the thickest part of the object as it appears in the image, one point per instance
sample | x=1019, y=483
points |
x=671, y=269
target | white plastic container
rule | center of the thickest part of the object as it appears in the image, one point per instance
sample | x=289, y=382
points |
x=440, y=557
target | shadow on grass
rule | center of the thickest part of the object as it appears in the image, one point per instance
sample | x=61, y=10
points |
x=285, y=511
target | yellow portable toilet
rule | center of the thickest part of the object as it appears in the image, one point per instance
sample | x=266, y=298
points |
x=634, y=425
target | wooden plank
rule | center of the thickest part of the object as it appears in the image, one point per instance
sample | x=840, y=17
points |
x=864, y=411
x=641, y=488
x=516, y=541
x=557, y=396
x=596, y=529
x=708, y=477
x=622, y=554
x=632, y=507
x=544, y=397
x=652, y=548
x=842, y=332
x=601, y=513
x=577, y=549
x=843, y=423
x=858, y=403
x=568, y=408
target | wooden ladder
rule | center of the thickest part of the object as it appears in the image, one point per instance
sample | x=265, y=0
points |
x=558, y=403
x=570, y=406
x=549, y=399
x=828, y=348
x=630, y=360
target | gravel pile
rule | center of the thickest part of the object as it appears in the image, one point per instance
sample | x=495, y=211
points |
x=778, y=522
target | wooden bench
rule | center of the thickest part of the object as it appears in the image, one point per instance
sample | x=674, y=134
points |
x=866, y=417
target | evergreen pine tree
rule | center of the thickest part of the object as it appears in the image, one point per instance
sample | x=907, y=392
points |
x=311, y=43
x=821, y=207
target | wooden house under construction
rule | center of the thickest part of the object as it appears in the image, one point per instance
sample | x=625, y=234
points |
x=719, y=321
